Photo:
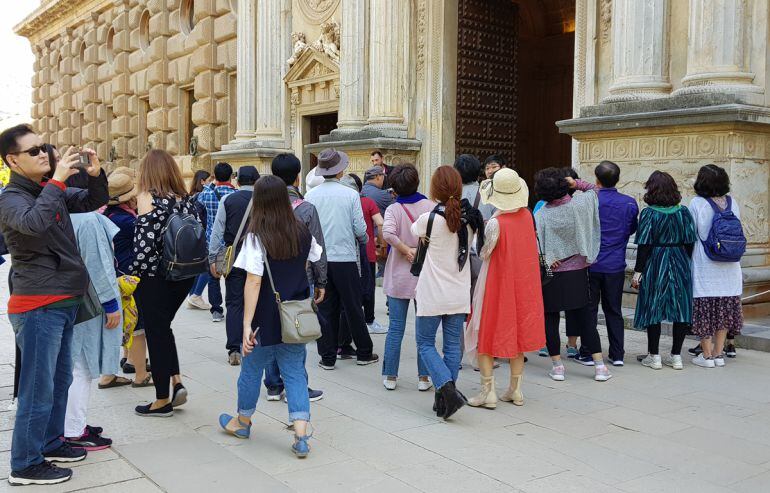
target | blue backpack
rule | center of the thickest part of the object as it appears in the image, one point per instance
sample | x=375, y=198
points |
x=726, y=241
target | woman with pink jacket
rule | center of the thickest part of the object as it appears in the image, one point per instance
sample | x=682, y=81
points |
x=399, y=284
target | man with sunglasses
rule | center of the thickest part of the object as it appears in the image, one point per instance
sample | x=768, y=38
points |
x=49, y=283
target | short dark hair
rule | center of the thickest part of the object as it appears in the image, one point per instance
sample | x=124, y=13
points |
x=469, y=167
x=569, y=171
x=404, y=179
x=223, y=172
x=357, y=179
x=712, y=181
x=9, y=137
x=375, y=153
x=608, y=174
x=661, y=190
x=499, y=159
x=287, y=167
x=550, y=184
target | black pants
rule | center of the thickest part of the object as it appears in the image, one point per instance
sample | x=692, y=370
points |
x=343, y=292
x=653, y=338
x=158, y=300
x=368, y=271
x=589, y=336
x=608, y=289
x=234, y=285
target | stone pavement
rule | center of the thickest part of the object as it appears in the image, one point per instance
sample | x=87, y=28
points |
x=692, y=430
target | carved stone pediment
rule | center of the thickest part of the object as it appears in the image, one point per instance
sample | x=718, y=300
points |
x=314, y=84
x=312, y=66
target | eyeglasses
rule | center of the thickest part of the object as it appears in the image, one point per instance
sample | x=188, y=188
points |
x=34, y=150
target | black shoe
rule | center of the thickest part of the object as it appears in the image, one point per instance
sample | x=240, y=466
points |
x=274, y=393
x=128, y=368
x=367, y=360
x=586, y=360
x=346, y=353
x=326, y=365
x=43, y=473
x=90, y=442
x=180, y=395
x=438, y=404
x=94, y=430
x=65, y=453
x=123, y=361
x=695, y=351
x=453, y=399
x=730, y=351
x=162, y=412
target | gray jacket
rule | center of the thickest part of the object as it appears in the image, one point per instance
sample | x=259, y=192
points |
x=307, y=213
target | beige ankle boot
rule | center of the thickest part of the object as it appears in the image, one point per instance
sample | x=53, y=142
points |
x=487, y=397
x=513, y=394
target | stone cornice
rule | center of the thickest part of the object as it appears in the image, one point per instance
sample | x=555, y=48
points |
x=51, y=17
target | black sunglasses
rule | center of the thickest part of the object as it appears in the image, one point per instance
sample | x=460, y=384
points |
x=34, y=150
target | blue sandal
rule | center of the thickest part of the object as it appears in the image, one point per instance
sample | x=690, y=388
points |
x=243, y=432
x=300, y=447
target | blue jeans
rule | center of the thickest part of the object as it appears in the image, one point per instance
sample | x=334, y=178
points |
x=291, y=362
x=446, y=369
x=44, y=337
x=200, y=284
x=392, y=356
x=273, y=378
x=215, y=294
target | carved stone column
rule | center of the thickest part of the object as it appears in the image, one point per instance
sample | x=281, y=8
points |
x=246, y=77
x=273, y=49
x=718, y=52
x=353, y=65
x=387, y=61
x=639, y=50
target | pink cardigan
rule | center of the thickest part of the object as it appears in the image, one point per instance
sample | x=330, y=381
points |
x=398, y=282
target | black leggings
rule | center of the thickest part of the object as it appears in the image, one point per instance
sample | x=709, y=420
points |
x=653, y=338
x=589, y=335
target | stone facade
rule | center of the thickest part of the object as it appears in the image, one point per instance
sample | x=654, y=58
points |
x=123, y=76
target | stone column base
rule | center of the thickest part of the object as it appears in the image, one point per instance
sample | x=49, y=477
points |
x=252, y=152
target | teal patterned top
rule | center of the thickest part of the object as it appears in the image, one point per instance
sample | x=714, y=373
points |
x=665, y=291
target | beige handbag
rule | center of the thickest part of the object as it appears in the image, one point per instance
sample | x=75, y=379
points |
x=299, y=322
x=226, y=256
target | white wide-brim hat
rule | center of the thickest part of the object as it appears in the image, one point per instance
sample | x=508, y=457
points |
x=506, y=190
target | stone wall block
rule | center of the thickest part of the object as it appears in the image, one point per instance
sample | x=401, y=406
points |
x=158, y=96
x=223, y=7
x=227, y=55
x=156, y=73
x=205, y=134
x=125, y=20
x=64, y=137
x=65, y=67
x=91, y=93
x=221, y=136
x=133, y=125
x=121, y=62
x=123, y=41
x=204, y=85
x=121, y=84
x=89, y=112
x=204, y=31
x=172, y=96
x=158, y=48
x=158, y=6
x=65, y=83
x=120, y=104
x=223, y=109
x=66, y=102
x=221, y=85
x=121, y=126
x=103, y=151
x=121, y=149
x=136, y=61
x=205, y=8
x=133, y=147
x=89, y=131
x=175, y=46
x=157, y=120
x=91, y=54
x=133, y=104
x=172, y=143
x=225, y=27
x=159, y=25
x=203, y=59
x=204, y=111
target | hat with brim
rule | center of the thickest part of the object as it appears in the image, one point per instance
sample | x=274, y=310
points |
x=331, y=162
x=122, y=186
x=505, y=190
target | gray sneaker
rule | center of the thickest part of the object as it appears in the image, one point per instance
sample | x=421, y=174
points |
x=376, y=328
x=234, y=358
x=217, y=316
x=651, y=361
x=674, y=361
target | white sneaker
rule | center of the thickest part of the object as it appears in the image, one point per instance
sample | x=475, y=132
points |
x=674, y=361
x=424, y=385
x=652, y=361
x=618, y=362
x=719, y=361
x=198, y=302
x=602, y=373
x=376, y=328
x=703, y=362
x=389, y=384
x=557, y=373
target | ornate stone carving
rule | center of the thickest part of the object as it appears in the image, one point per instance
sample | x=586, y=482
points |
x=329, y=40
x=300, y=46
x=605, y=19
x=318, y=10
x=421, y=23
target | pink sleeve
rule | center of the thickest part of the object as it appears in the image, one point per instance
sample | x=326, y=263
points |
x=390, y=227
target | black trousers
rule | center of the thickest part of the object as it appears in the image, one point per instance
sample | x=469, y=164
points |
x=234, y=286
x=589, y=336
x=608, y=289
x=368, y=271
x=343, y=292
x=158, y=301
x=653, y=338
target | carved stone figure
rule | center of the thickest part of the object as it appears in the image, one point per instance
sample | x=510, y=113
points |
x=329, y=40
x=300, y=47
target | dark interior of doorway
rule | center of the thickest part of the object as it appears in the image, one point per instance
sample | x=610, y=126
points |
x=515, y=64
x=320, y=125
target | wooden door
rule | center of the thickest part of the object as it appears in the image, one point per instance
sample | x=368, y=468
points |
x=320, y=125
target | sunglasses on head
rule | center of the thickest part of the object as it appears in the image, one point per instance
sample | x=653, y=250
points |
x=35, y=150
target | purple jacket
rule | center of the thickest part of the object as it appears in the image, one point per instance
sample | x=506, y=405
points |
x=618, y=217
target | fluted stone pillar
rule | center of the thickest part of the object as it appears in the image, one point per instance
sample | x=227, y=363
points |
x=246, y=77
x=639, y=50
x=353, y=65
x=718, y=54
x=273, y=49
x=387, y=61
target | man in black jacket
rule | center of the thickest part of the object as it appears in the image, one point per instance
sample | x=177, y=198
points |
x=49, y=283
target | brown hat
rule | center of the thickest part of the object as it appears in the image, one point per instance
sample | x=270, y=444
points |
x=331, y=162
x=122, y=185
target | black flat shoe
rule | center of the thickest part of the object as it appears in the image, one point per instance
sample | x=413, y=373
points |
x=453, y=399
x=162, y=412
x=438, y=404
x=180, y=395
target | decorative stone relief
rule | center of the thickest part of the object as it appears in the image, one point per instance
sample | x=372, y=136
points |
x=421, y=25
x=605, y=15
x=318, y=10
x=329, y=40
x=313, y=81
x=300, y=46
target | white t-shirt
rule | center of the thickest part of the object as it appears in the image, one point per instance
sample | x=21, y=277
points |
x=709, y=278
x=251, y=259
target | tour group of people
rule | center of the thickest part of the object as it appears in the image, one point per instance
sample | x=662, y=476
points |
x=471, y=258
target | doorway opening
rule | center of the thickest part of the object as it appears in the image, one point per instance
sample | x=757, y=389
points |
x=515, y=65
x=318, y=125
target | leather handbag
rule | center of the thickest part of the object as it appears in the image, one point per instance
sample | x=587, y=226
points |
x=226, y=257
x=422, y=248
x=299, y=322
x=90, y=307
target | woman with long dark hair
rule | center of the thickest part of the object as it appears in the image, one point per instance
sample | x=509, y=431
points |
x=277, y=246
x=443, y=291
x=195, y=300
x=161, y=190
x=663, y=275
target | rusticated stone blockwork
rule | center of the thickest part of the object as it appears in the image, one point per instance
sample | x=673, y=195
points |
x=123, y=76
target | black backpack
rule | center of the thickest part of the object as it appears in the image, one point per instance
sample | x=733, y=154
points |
x=185, y=254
